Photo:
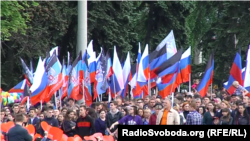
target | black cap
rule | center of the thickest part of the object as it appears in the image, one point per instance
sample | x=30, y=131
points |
x=158, y=106
x=189, y=96
x=234, y=95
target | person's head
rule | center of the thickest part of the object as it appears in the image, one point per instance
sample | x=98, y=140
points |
x=224, y=94
x=19, y=118
x=225, y=112
x=41, y=116
x=49, y=112
x=167, y=103
x=113, y=105
x=202, y=110
x=241, y=108
x=15, y=108
x=133, y=110
x=140, y=112
x=233, y=106
x=185, y=106
x=152, y=103
x=22, y=110
x=102, y=114
x=189, y=98
x=82, y=110
x=10, y=117
x=233, y=98
x=2, y=114
x=157, y=108
x=176, y=107
x=56, y=112
x=26, y=118
x=119, y=101
x=245, y=100
x=140, y=103
x=32, y=112
x=146, y=100
x=60, y=117
x=236, y=84
x=211, y=107
x=198, y=102
x=71, y=102
x=69, y=115
x=99, y=107
x=147, y=113
x=206, y=100
x=124, y=111
x=192, y=106
x=64, y=111
x=224, y=104
x=7, y=111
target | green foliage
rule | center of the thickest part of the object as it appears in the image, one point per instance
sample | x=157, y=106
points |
x=14, y=17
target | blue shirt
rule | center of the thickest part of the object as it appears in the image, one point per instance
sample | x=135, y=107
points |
x=194, y=118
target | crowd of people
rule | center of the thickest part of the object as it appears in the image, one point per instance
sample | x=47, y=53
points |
x=187, y=108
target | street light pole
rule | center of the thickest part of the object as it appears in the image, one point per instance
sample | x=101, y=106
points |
x=82, y=30
x=82, y=33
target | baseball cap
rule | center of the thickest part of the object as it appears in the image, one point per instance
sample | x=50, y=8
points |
x=158, y=106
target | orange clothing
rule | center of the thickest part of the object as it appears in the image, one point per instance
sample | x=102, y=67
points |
x=164, y=117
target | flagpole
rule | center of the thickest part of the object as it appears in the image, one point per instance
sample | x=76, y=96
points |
x=41, y=104
x=83, y=91
x=178, y=88
x=55, y=99
x=149, y=84
x=114, y=86
x=28, y=103
x=189, y=82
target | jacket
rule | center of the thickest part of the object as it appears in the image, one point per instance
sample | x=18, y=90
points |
x=172, y=119
x=18, y=133
x=112, y=119
x=34, y=122
x=85, y=126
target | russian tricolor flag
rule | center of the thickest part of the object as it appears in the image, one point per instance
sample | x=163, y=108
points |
x=19, y=88
x=235, y=74
x=39, y=87
x=117, y=81
x=207, y=77
x=91, y=56
x=126, y=75
x=247, y=72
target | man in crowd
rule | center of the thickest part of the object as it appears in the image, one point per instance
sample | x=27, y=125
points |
x=84, y=124
x=168, y=116
x=140, y=103
x=239, y=89
x=50, y=119
x=18, y=133
x=33, y=117
x=193, y=118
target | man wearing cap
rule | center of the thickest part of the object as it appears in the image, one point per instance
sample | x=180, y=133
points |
x=189, y=98
x=168, y=116
x=153, y=117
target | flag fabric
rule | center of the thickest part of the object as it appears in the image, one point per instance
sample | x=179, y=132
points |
x=65, y=77
x=143, y=74
x=55, y=79
x=235, y=74
x=87, y=85
x=117, y=81
x=143, y=70
x=157, y=58
x=100, y=72
x=168, y=68
x=54, y=49
x=133, y=81
x=27, y=74
x=108, y=72
x=126, y=71
x=207, y=77
x=247, y=72
x=91, y=56
x=169, y=43
x=166, y=89
x=184, y=70
x=31, y=66
x=40, y=86
x=19, y=88
x=74, y=79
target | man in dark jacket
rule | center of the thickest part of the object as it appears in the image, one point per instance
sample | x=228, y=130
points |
x=18, y=133
x=50, y=119
x=113, y=116
x=84, y=124
x=33, y=117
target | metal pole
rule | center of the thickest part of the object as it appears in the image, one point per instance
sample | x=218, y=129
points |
x=82, y=33
x=189, y=86
x=82, y=30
